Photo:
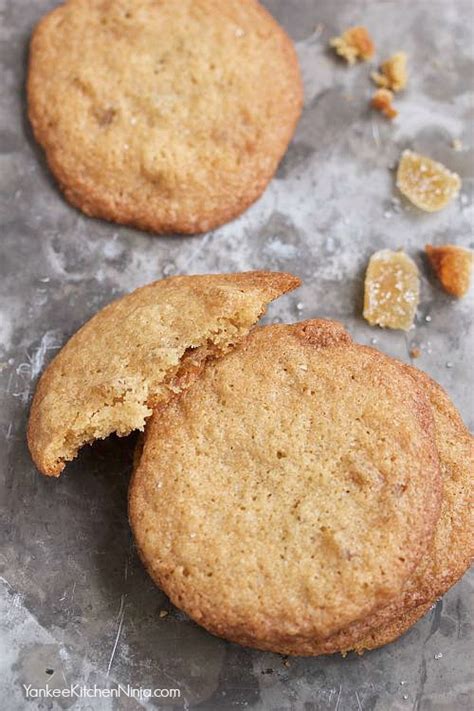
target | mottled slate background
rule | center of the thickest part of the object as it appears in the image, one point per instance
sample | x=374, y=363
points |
x=77, y=607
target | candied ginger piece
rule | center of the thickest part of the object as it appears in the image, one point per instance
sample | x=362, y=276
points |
x=393, y=73
x=355, y=43
x=453, y=266
x=392, y=290
x=382, y=101
x=427, y=184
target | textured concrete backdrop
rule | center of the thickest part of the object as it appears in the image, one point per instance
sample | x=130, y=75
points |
x=77, y=606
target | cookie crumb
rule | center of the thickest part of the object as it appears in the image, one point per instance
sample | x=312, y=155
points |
x=382, y=101
x=456, y=144
x=415, y=352
x=354, y=44
x=453, y=266
x=392, y=290
x=163, y=613
x=426, y=183
x=393, y=73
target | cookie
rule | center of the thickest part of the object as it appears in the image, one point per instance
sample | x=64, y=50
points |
x=138, y=350
x=452, y=549
x=291, y=490
x=391, y=631
x=171, y=116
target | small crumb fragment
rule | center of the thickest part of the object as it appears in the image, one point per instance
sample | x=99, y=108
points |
x=393, y=73
x=453, y=266
x=427, y=184
x=415, y=352
x=355, y=43
x=382, y=101
x=457, y=144
x=163, y=613
x=392, y=290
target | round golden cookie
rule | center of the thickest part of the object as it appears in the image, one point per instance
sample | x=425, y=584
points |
x=170, y=115
x=452, y=548
x=137, y=351
x=291, y=490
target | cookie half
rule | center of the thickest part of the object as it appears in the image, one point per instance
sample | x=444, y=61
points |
x=171, y=116
x=452, y=549
x=291, y=490
x=137, y=351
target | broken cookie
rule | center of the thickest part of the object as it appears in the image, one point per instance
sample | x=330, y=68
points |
x=137, y=352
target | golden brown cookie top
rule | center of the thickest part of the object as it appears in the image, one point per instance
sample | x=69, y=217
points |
x=452, y=548
x=138, y=350
x=170, y=115
x=291, y=490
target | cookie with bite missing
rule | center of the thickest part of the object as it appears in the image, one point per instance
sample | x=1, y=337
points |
x=136, y=352
x=169, y=115
x=291, y=490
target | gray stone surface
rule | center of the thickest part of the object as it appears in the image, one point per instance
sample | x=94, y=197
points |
x=77, y=606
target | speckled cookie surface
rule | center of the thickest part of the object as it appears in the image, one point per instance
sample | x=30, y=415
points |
x=452, y=548
x=169, y=115
x=137, y=351
x=291, y=490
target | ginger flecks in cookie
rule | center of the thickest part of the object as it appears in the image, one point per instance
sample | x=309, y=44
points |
x=426, y=183
x=382, y=101
x=354, y=44
x=169, y=116
x=453, y=267
x=393, y=73
x=392, y=290
x=302, y=501
x=451, y=550
x=136, y=352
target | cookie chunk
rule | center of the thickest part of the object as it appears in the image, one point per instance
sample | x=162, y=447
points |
x=453, y=267
x=354, y=44
x=393, y=73
x=169, y=116
x=136, y=352
x=426, y=183
x=382, y=101
x=301, y=501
